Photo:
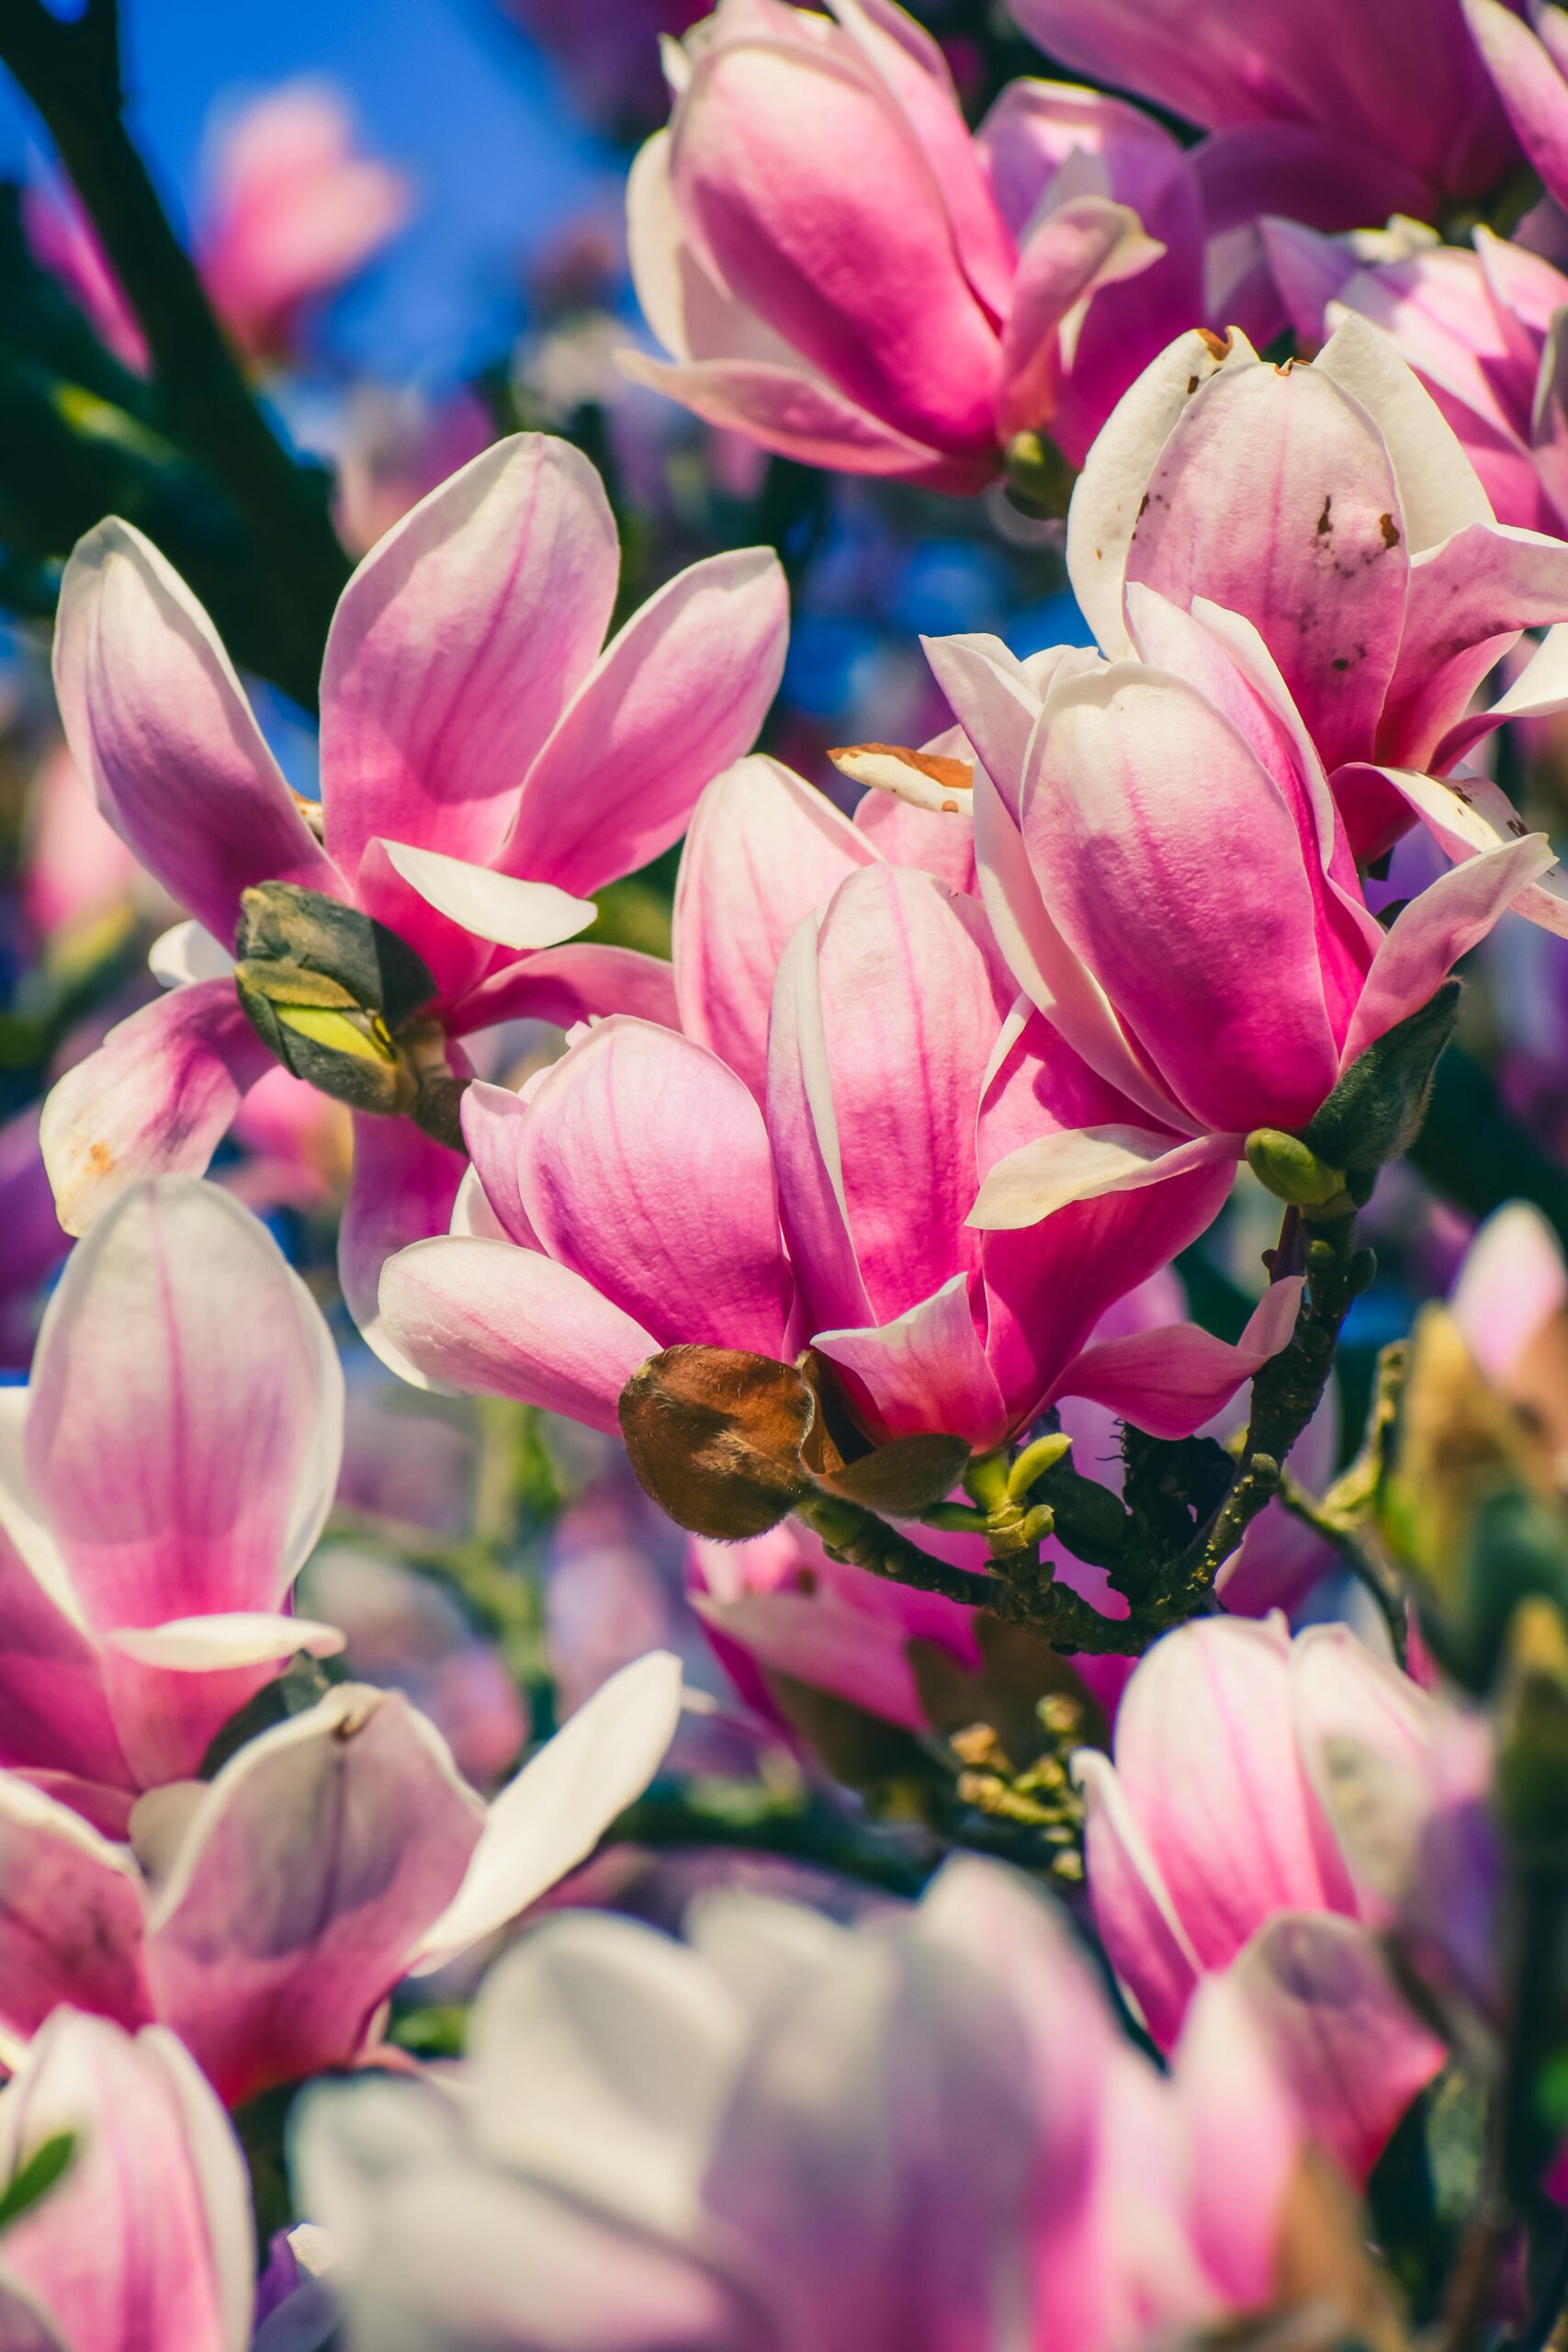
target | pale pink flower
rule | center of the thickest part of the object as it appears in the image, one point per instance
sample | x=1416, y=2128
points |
x=292, y=211
x=919, y=2135
x=148, y=2238
x=485, y=768
x=266, y=1915
x=1257, y=1776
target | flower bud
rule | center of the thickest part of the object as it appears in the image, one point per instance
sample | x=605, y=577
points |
x=321, y=1035
x=1292, y=1171
x=304, y=930
x=1375, y=1111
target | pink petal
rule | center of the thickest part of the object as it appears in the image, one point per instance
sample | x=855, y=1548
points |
x=1066, y=1166
x=1512, y=1283
x=1171, y=1381
x=457, y=644
x=156, y=1098
x=1529, y=83
x=803, y=1131
x=644, y=1166
x=1085, y=245
x=1245, y=2143
x=787, y=409
x=316, y=1859
x=924, y=1370
x=1275, y=497
x=148, y=2238
x=678, y=694
x=1340, y=2035
x=404, y=1188
x=1466, y=813
x=815, y=1640
x=492, y=1128
x=70, y=1916
x=1206, y=1755
x=1468, y=601
x=54, y=1715
x=494, y=1320
x=764, y=850
x=566, y=985
x=1426, y=939
x=1132, y=769
x=939, y=842
x=1144, y=1940
x=161, y=730
x=909, y=981
x=185, y=1415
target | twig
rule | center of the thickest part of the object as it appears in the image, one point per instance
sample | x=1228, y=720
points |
x=746, y=1817
x=1375, y=1575
x=71, y=71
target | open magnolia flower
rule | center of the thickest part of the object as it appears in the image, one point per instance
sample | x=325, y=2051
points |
x=484, y=767
x=919, y=2134
x=639, y=1196
x=267, y=1915
x=162, y=1477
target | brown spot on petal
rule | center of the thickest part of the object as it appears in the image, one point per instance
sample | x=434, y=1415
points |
x=100, y=1159
x=1324, y=525
x=1389, y=530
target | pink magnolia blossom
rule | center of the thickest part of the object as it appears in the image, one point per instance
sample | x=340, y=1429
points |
x=1305, y=85
x=1482, y=329
x=919, y=2135
x=266, y=1915
x=1333, y=509
x=1257, y=1776
x=162, y=1477
x=841, y=273
x=1218, y=994
x=485, y=768
x=632, y=1197
x=147, y=2239
x=293, y=211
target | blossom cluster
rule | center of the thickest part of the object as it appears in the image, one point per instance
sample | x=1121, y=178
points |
x=734, y=1614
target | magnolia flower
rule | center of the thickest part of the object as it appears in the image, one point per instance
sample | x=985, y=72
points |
x=847, y=277
x=1222, y=994
x=267, y=1915
x=1301, y=87
x=632, y=1197
x=915, y=2136
x=147, y=2239
x=1256, y=1775
x=1481, y=330
x=484, y=769
x=292, y=213
x=162, y=1477
x=1333, y=509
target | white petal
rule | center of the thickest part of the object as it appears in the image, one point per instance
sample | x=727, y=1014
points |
x=492, y=906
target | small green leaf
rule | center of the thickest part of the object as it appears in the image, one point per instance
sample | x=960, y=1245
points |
x=33, y=2179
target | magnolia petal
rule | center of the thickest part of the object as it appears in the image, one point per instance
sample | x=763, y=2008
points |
x=186, y=953
x=1083, y=245
x=243, y=1637
x=157, y=1098
x=70, y=1916
x=402, y=1191
x=1541, y=689
x=1171, y=1381
x=1531, y=86
x=1440, y=491
x=798, y=414
x=1427, y=938
x=553, y=1814
x=1082, y=1163
x=499, y=907
x=583, y=981
x=924, y=1370
x=1143, y=1938
x=489, y=1319
x=1468, y=814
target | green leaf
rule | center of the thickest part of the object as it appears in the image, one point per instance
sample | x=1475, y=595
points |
x=33, y=2179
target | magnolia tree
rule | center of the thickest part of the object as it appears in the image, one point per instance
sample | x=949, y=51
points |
x=784, y=1515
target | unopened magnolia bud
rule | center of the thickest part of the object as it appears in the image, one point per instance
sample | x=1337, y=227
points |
x=321, y=1035
x=1375, y=1111
x=1038, y=479
x=306, y=930
x=1292, y=1171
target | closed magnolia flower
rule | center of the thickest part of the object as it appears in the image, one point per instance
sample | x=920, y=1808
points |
x=840, y=271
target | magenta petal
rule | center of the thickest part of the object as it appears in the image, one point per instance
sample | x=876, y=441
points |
x=1342, y=2037
x=404, y=1188
x=644, y=1166
x=1172, y=1380
x=456, y=647
x=678, y=693
x=1468, y=599
x=70, y=1916
x=315, y=1861
x=492, y=1128
x=803, y=1132
x=148, y=2238
x=1143, y=1938
x=764, y=850
x=1084, y=244
x=569, y=984
x=156, y=1099
x=795, y=413
x=925, y=1370
x=185, y=1414
x=54, y=1715
x=493, y=1320
x=1426, y=939
x=1531, y=86
x=162, y=732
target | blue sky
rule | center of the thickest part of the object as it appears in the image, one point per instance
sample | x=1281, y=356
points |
x=443, y=87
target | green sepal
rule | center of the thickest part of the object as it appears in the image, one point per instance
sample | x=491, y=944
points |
x=306, y=930
x=316, y=1030
x=1375, y=1111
